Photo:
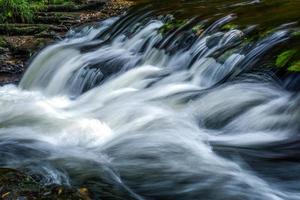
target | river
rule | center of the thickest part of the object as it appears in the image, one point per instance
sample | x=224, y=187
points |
x=182, y=100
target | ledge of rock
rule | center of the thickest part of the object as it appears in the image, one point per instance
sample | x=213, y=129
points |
x=18, y=42
x=17, y=185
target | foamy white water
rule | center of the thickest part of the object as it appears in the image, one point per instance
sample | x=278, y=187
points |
x=124, y=110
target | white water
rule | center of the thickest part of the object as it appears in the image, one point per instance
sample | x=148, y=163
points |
x=156, y=126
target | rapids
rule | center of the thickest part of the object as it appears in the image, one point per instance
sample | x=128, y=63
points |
x=132, y=113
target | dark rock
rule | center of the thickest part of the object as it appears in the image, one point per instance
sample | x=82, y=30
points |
x=18, y=185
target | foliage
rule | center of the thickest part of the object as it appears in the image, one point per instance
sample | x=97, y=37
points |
x=15, y=11
x=59, y=1
x=23, y=10
x=2, y=42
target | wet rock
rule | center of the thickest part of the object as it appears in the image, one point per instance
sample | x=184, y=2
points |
x=88, y=5
x=3, y=50
x=20, y=41
x=29, y=29
x=18, y=185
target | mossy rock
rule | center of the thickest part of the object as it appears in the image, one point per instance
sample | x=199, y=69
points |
x=198, y=29
x=3, y=42
x=17, y=185
x=172, y=25
x=289, y=60
x=285, y=57
x=294, y=67
x=229, y=26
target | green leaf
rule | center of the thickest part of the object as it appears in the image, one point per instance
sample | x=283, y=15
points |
x=284, y=57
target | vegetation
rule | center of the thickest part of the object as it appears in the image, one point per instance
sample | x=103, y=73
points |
x=286, y=60
x=2, y=42
x=229, y=26
x=295, y=66
x=15, y=10
x=23, y=10
x=172, y=25
x=284, y=57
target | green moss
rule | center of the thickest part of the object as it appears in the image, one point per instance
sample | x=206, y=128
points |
x=284, y=58
x=3, y=42
x=295, y=67
x=17, y=185
x=265, y=33
x=198, y=29
x=229, y=26
x=171, y=25
x=15, y=11
x=296, y=33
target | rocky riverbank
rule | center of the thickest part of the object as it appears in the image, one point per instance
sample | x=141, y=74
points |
x=18, y=42
x=17, y=185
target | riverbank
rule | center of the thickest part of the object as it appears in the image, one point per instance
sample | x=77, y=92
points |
x=19, y=41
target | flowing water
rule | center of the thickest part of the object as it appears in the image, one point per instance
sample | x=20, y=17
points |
x=134, y=112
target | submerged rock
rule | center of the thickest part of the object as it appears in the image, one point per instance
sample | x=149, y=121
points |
x=18, y=185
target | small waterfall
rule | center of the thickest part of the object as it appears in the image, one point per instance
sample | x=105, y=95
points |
x=134, y=113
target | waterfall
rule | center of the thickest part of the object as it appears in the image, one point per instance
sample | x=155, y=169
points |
x=134, y=113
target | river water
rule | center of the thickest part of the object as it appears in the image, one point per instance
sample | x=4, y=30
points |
x=142, y=106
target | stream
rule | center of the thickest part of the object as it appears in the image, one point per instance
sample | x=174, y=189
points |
x=173, y=100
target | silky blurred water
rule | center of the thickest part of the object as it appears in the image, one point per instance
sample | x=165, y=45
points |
x=133, y=113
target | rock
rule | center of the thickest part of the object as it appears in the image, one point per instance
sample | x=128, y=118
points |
x=18, y=185
x=20, y=41
x=29, y=29
x=3, y=50
x=91, y=5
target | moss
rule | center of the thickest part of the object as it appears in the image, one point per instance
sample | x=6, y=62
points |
x=37, y=5
x=3, y=42
x=296, y=33
x=17, y=185
x=198, y=29
x=229, y=26
x=285, y=57
x=295, y=67
x=171, y=25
